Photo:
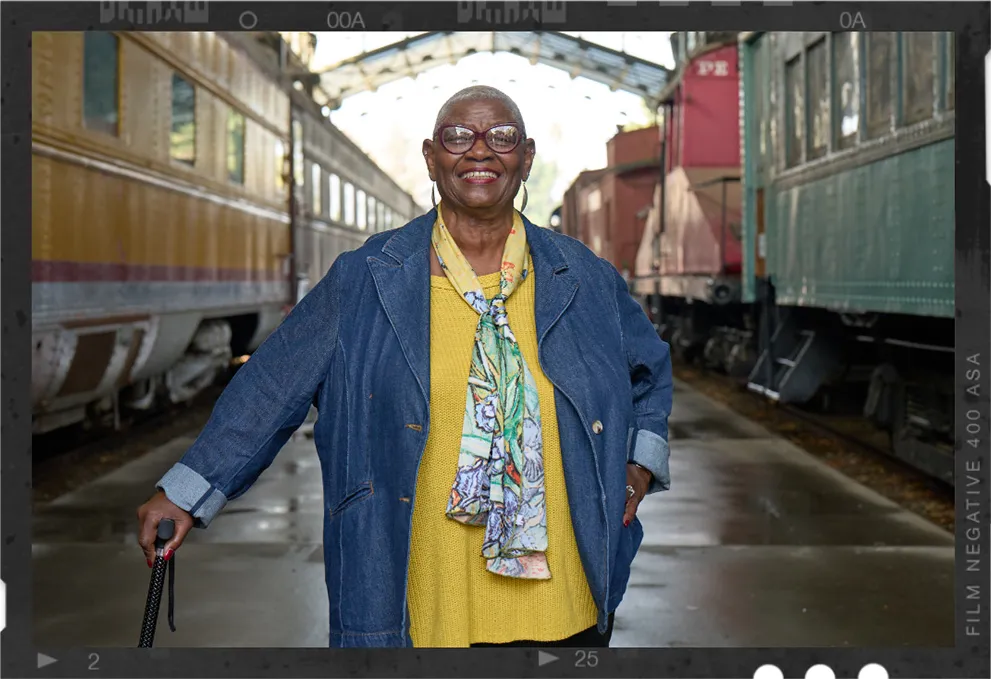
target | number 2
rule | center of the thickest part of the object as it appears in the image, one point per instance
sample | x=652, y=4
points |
x=93, y=659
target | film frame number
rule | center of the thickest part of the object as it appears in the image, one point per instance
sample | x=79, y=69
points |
x=586, y=658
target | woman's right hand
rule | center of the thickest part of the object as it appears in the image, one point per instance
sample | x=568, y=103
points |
x=150, y=514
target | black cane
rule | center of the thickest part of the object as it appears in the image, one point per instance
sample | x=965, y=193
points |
x=166, y=529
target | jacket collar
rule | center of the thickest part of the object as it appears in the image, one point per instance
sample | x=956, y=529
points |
x=402, y=279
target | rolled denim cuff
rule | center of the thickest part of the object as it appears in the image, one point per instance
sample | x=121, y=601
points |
x=651, y=452
x=189, y=491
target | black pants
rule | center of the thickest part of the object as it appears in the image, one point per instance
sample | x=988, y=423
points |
x=590, y=638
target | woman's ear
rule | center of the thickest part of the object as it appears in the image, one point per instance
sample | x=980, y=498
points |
x=428, y=157
x=529, y=151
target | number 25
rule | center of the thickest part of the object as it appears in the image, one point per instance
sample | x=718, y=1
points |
x=587, y=658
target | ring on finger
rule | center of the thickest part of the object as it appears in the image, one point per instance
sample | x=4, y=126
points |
x=630, y=492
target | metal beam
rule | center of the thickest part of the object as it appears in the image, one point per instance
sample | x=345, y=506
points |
x=576, y=56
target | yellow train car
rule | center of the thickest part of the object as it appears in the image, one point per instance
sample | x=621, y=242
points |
x=161, y=233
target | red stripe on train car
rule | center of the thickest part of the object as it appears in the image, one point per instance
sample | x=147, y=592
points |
x=88, y=272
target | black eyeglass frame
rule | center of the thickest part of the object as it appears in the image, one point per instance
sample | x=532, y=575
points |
x=485, y=137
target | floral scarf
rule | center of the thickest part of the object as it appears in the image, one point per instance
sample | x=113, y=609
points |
x=500, y=477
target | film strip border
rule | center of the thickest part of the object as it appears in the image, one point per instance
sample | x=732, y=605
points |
x=509, y=14
x=556, y=12
x=198, y=12
x=686, y=3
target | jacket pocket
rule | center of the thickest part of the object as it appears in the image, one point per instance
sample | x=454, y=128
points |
x=362, y=492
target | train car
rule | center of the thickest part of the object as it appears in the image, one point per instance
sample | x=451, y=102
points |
x=689, y=260
x=848, y=227
x=160, y=233
x=606, y=208
x=171, y=229
x=342, y=197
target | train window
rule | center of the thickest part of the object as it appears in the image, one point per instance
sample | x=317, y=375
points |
x=334, y=188
x=380, y=219
x=362, y=207
x=818, y=100
x=951, y=71
x=101, y=85
x=317, y=184
x=880, y=57
x=373, y=224
x=918, y=76
x=846, y=87
x=235, y=147
x=760, y=96
x=593, y=201
x=775, y=144
x=182, y=141
x=794, y=110
x=297, y=153
x=280, y=165
x=349, y=203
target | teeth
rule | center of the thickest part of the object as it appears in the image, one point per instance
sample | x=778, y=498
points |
x=479, y=175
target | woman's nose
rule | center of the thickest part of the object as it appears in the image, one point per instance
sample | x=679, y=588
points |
x=479, y=150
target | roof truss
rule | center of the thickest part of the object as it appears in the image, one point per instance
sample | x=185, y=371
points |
x=368, y=71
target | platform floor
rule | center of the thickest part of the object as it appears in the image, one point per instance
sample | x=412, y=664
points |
x=757, y=544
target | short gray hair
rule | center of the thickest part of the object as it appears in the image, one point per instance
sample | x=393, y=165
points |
x=478, y=93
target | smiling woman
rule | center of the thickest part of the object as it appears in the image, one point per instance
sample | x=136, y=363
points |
x=521, y=394
x=475, y=163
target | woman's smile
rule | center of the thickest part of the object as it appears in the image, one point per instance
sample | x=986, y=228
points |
x=479, y=175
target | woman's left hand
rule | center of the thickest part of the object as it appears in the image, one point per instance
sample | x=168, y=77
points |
x=639, y=478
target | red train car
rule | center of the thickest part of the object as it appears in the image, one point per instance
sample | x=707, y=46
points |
x=689, y=260
x=607, y=208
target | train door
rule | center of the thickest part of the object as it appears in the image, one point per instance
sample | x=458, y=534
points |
x=765, y=101
x=763, y=121
x=759, y=97
x=756, y=82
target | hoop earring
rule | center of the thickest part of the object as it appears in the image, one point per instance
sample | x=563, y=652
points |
x=525, y=197
x=433, y=198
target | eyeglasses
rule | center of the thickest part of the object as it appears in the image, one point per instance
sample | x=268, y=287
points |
x=458, y=139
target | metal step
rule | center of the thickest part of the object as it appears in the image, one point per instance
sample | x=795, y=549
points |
x=803, y=360
x=763, y=391
x=784, y=342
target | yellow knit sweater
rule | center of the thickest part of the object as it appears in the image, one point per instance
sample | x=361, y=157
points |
x=453, y=600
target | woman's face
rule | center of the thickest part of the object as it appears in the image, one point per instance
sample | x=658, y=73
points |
x=458, y=177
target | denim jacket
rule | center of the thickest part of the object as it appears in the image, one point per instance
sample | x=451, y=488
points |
x=364, y=331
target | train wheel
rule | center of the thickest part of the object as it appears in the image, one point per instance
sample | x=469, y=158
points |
x=740, y=361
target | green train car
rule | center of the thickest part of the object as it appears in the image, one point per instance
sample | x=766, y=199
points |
x=848, y=223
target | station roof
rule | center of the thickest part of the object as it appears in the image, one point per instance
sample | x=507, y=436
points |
x=370, y=70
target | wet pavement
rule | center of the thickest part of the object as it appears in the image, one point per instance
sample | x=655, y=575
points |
x=757, y=544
